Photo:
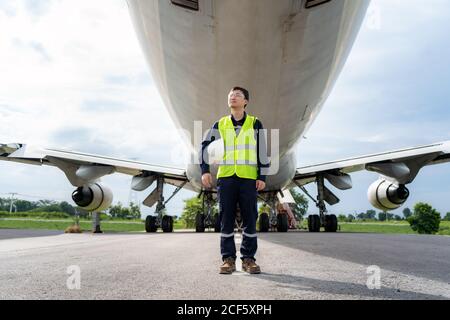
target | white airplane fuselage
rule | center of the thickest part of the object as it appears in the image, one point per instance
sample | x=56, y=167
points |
x=288, y=56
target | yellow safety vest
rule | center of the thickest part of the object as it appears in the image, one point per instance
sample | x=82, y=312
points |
x=240, y=156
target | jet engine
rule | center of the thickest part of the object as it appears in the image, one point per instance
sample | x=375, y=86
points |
x=386, y=195
x=93, y=197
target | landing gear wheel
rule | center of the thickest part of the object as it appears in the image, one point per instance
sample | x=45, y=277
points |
x=217, y=223
x=331, y=223
x=167, y=224
x=150, y=224
x=314, y=223
x=200, y=222
x=263, y=222
x=282, y=225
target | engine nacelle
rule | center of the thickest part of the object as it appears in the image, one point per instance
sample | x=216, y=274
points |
x=93, y=197
x=386, y=196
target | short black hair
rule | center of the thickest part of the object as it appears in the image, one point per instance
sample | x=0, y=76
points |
x=244, y=91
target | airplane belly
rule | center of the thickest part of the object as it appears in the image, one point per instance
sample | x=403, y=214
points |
x=286, y=55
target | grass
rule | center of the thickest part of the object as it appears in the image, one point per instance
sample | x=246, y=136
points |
x=381, y=227
x=107, y=226
x=390, y=227
x=387, y=227
x=444, y=228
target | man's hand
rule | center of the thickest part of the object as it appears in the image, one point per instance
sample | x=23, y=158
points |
x=260, y=185
x=207, y=180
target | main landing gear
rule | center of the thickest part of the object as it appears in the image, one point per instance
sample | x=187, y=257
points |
x=275, y=220
x=207, y=219
x=328, y=221
x=160, y=220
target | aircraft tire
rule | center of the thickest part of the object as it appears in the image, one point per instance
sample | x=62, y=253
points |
x=264, y=222
x=331, y=223
x=167, y=224
x=200, y=222
x=282, y=225
x=217, y=223
x=150, y=224
x=314, y=223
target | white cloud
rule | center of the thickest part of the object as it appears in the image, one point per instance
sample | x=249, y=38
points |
x=391, y=94
x=72, y=76
x=71, y=67
x=86, y=44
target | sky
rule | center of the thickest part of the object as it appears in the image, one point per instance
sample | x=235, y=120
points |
x=73, y=76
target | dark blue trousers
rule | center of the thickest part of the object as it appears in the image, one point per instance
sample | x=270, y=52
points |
x=231, y=191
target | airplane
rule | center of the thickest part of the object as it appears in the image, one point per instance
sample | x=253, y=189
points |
x=288, y=54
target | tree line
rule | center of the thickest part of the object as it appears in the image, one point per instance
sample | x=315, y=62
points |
x=50, y=206
x=36, y=206
x=372, y=215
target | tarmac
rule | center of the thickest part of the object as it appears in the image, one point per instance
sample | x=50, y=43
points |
x=37, y=264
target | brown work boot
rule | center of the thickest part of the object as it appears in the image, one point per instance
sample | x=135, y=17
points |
x=228, y=266
x=249, y=265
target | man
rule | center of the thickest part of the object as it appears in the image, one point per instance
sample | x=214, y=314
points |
x=239, y=179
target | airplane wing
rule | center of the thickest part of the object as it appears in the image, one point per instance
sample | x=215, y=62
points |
x=400, y=166
x=81, y=168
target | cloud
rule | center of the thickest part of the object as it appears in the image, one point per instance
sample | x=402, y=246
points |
x=391, y=94
x=142, y=78
x=8, y=8
x=38, y=7
x=102, y=106
x=34, y=46
x=65, y=64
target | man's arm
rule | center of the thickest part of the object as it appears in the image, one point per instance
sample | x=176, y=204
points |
x=261, y=149
x=211, y=136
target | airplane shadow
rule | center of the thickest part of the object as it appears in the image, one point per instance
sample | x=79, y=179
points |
x=343, y=288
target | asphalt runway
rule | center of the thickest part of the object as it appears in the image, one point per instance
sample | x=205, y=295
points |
x=26, y=233
x=184, y=265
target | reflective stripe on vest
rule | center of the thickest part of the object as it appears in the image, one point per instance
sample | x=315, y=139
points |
x=240, y=156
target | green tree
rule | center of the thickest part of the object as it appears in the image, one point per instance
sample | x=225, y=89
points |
x=371, y=214
x=135, y=212
x=301, y=204
x=50, y=207
x=407, y=213
x=115, y=211
x=192, y=206
x=447, y=217
x=361, y=216
x=425, y=219
x=24, y=205
x=384, y=216
x=342, y=218
x=351, y=218
x=67, y=208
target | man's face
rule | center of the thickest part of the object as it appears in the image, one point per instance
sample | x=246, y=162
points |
x=236, y=99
